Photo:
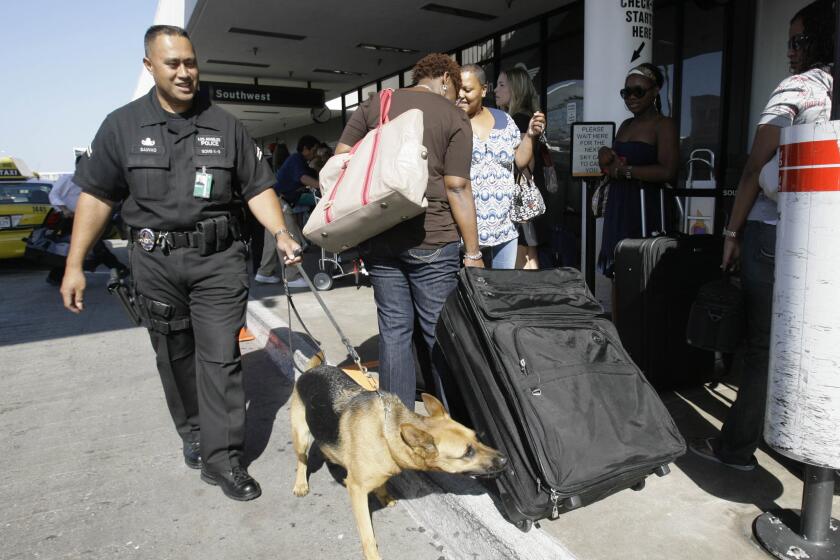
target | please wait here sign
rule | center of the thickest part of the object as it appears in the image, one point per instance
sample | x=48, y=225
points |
x=587, y=139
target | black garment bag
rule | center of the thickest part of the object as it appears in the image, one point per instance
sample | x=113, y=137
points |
x=542, y=376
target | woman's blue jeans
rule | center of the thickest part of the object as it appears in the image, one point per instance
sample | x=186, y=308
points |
x=501, y=256
x=414, y=283
x=742, y=430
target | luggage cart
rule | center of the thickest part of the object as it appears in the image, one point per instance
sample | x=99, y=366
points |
x=332, y=266
x=698, y=214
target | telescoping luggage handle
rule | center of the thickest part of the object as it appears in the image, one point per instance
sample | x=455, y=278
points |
x=351, y=350
x=711, y=193
x=384, y=109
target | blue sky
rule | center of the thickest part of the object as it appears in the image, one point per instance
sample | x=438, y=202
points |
x=65, y=66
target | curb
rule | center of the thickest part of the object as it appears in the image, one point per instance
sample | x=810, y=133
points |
x=458, y=510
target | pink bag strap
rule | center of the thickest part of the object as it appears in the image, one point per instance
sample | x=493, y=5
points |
x=384, y=109
x=384, y=105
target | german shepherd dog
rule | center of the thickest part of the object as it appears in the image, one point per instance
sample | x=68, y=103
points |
x=374, y=437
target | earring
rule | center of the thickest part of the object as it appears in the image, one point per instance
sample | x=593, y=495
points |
x=443, y=89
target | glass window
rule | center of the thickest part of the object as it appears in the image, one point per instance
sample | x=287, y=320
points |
x=368, y=90
x=530, y=60
x=407, y=79
x=351, y=98
x=567, y=24
x=702, y=66
x=521, y=37
x=391, y=83
x=664, y=53
x=477, y=54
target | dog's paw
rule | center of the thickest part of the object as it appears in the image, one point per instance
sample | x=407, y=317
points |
x=301, y=490
x=386, y=499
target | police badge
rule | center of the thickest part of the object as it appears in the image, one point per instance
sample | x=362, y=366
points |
x=146, y=239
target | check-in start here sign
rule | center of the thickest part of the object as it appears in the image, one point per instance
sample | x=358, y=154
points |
x=587, y=139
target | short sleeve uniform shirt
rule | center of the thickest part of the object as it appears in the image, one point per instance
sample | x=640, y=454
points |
x=149, y=158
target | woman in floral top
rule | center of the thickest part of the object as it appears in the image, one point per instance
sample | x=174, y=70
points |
x=497, y=147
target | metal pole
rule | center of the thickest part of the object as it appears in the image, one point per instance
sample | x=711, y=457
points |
x=816, y=503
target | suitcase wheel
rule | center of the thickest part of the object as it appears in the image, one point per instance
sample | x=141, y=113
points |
x=572, y=502
x=322, y=281
x=662, y=470
x=525, y=525
x=639, y=485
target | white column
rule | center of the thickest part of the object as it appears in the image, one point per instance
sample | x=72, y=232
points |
x=617, y=35
x=169, y=12
x=803, y=397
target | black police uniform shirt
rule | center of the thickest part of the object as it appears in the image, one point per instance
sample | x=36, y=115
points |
x=149, y=158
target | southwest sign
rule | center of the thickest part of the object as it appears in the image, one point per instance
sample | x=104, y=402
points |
x=275, y=96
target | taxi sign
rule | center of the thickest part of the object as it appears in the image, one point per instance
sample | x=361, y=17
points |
x=14, y=169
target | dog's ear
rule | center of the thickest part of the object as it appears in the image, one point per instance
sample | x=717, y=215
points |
x=433, y=406
x=421, y=442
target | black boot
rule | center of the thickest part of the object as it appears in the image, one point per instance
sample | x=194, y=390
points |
x=236, y=483
x=192, y=454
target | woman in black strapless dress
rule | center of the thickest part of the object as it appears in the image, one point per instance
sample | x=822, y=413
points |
x=646, y=151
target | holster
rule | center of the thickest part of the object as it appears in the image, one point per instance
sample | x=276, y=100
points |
x=213, y=235
x=157, y=316
x=120, y=287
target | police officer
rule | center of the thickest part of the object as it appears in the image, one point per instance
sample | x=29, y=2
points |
x=184, y=170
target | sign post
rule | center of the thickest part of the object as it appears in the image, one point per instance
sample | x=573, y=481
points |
x=587, y=139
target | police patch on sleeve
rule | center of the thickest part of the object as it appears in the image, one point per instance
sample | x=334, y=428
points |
x=209, y=145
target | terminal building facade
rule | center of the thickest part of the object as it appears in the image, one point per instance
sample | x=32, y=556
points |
x=721, y=60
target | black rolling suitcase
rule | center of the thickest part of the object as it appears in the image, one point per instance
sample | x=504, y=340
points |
x=656, y=281
x=542, y=376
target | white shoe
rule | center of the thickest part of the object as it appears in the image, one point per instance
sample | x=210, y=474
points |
x=297, y=283
x=266, y=279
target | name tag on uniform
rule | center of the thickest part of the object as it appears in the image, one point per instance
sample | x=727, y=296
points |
x=203, y=184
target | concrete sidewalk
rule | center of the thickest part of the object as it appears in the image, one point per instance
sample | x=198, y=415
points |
x=700, y=511
x=92, y=467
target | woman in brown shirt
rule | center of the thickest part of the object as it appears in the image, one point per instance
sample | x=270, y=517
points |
x=413, y=266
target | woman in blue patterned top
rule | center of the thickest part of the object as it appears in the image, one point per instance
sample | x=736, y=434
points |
x=497, y=147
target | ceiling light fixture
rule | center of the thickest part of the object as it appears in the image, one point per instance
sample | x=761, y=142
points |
x=400, y=50
x=235, y=63
x=264, y=112
x=338, y=72
x=261, y=33
x=449, y=10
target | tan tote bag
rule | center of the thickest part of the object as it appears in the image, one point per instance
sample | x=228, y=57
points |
x=378, y=184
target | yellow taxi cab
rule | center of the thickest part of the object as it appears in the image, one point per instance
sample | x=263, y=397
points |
x=24, y=203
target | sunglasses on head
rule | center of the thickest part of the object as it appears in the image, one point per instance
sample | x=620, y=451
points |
x=636, y=91
x=796, y=42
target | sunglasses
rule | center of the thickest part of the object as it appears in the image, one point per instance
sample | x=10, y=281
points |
x=796, y=42
x=636, y=91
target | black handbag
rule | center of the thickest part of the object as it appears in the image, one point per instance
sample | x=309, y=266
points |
x=717, y=320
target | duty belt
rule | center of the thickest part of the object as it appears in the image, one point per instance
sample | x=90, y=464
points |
x=210, y=236
x=148, y=239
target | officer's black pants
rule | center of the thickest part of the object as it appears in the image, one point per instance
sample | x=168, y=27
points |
x=201, y=368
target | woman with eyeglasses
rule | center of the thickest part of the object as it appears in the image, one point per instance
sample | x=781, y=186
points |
x=646, y=150
x=750, y=235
